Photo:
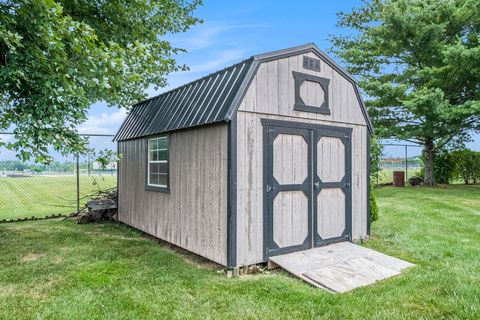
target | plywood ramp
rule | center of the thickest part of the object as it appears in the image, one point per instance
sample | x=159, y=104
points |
x=340, y=267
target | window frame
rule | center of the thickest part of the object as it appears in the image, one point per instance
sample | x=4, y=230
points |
x=300, y=104
x=157, y=187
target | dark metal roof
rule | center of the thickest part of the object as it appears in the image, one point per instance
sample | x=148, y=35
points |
x=213, y=98
x=200, y=102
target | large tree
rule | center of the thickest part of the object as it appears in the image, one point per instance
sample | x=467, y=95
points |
x=418, y=62
x=57, y=57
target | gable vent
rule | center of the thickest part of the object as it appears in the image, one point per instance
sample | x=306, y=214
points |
x=311, y=63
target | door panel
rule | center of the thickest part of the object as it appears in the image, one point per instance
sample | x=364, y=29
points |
x=290, y=159
x=332, y=208
x=290, y=218
x=288, y=189
x=331, y=159
x=331, y=213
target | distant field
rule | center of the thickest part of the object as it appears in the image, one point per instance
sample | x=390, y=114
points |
x=386, y=176
x=39, y=196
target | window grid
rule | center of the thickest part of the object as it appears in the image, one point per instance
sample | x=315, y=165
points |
x=158, y=162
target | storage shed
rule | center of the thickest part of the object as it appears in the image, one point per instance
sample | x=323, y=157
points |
x=268, y=156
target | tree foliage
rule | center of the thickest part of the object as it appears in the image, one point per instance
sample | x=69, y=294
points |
x=419, y=64
x=466, y=165
x=376, y=152
x=57, y=57
x=444, y=166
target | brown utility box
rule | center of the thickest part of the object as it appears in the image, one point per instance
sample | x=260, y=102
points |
x=399, y=179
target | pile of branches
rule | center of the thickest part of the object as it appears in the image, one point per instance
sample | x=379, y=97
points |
x=101, y=206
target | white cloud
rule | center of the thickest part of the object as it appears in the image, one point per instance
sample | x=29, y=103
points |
x=209, y=35
x=205, y=36
x=219, y=61
x=105, y=123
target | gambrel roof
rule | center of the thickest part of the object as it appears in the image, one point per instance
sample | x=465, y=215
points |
x=210, y=99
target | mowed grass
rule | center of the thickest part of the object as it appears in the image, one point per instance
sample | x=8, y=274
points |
x=60, y=270
x=40, y=196
x=386, y=175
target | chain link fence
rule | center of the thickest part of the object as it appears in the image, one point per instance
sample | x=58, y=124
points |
x=30, y=190
x=399, y=157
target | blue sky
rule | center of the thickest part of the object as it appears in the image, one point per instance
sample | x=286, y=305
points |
x=235, y=30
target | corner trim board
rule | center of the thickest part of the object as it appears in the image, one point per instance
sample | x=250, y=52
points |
x=368, y=183
x=232, y=194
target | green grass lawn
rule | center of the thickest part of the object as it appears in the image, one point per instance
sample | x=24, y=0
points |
x=386, y=175
x=40, y=196
x=60, y=270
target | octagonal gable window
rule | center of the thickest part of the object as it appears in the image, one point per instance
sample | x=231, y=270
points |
x=311, y=93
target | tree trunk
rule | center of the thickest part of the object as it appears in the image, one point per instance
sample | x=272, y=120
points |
x=429, y=179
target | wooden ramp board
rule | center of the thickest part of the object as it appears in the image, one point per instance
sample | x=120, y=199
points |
x=340, y=267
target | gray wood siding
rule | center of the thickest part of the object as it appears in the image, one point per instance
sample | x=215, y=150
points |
x=272, y=91
x=271, y=96
x=194, y=214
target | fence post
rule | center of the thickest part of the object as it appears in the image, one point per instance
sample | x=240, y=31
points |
x=406, y=162
x=78, y=183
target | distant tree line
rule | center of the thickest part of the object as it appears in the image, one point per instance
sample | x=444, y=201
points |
x=396, y=162
x=56, y=166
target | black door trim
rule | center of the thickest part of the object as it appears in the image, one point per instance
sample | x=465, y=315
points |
x=345, y=184
x=294, y=128
x=304, y=125
x=272, y=188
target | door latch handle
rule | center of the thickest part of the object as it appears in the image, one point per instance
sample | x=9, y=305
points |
x=347, y=184
x=317, y=185
x=270, y=188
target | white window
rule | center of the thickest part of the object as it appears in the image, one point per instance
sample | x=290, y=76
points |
x=157, y=174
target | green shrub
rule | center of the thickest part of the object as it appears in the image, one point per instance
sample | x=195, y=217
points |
x=373, y=207
x=415, y=180
x=459, y=164
x=421, y=173
x=444, y=166
x=467, y=166
x=476, y=167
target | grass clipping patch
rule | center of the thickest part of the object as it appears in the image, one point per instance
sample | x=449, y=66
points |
x=32, y=257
